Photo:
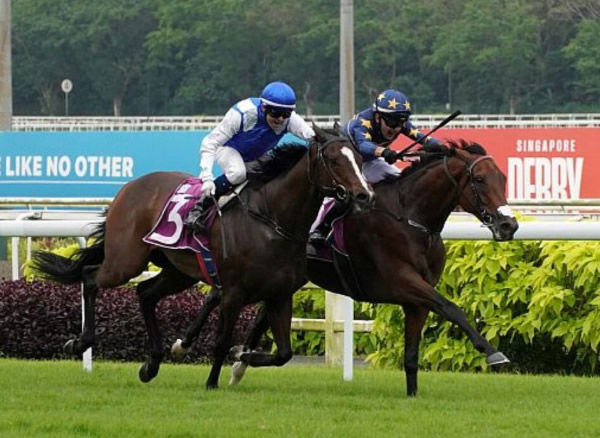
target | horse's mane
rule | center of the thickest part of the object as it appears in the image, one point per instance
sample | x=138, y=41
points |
x=469, y=146
x=277, y=161
x=280, y=159
x=435, y=154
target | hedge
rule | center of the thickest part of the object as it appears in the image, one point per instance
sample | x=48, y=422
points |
x=37, y=318
x=538, y=302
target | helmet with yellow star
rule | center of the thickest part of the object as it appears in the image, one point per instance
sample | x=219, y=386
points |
x=393, y=104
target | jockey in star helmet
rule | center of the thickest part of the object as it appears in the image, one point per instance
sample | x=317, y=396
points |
x=393, y=107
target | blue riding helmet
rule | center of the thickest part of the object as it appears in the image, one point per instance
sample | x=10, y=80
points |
x=278, y=95
x=392, y=103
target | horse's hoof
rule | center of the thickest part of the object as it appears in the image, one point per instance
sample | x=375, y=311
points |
x=237, y=372
x=497, y=358
x=178, y=351
x=148, y=372
x=211, y=386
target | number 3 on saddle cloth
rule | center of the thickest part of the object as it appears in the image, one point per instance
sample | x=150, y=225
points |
x=332, y=251
x=170, y=232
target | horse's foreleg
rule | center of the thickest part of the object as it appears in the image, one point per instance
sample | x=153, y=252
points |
x=230, y=310
x=87, y=337
x=453, y=313
x=258, y=328
x=149, y=293
x=280, y=320
x=415, y=317
x=181, y=347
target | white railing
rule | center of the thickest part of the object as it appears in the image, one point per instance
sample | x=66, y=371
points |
x=163, y=123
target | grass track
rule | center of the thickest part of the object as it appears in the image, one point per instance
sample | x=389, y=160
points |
x=58, y=399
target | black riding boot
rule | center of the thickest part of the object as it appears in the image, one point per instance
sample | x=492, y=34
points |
x=197, y=216
x=320, y=234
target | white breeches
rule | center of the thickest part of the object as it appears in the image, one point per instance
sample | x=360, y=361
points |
x=232, y=164
x=378, y=169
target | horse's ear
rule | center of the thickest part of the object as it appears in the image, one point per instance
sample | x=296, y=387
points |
x=320, y=134
x=336, y=126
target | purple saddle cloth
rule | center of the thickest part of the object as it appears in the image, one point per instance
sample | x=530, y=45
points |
x=169, y=231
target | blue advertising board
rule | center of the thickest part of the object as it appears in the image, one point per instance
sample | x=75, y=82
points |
x=91, y=164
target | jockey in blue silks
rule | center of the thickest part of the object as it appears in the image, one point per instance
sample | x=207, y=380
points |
x=249, y=129
x=372, y=131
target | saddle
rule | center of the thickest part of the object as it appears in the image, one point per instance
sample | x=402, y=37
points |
x=169, y=231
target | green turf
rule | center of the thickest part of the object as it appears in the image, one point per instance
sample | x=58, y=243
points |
x=58, y=399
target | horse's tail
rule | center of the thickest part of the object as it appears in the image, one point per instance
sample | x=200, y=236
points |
x=69, y=270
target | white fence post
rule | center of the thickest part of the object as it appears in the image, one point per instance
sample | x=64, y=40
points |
x=87, y=354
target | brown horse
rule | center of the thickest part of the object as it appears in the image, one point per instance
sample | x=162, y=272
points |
x=258, y=244
x=397, y=252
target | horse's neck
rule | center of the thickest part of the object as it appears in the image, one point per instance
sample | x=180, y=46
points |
x=292, y=200
x=428, y=199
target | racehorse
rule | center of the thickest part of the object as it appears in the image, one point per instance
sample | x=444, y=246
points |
x=396, y=251
x=258, y=243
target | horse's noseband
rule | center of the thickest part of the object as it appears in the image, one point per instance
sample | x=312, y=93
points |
x=486, y=217
x=335, y=190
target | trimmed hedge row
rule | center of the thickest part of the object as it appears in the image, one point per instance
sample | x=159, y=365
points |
x=538, y=302
x=37, y=318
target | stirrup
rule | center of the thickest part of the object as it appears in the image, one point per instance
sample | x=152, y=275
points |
x=197, y=216
x=318, y=236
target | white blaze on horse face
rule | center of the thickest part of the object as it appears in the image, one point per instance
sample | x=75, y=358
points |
x=348, y=153
x=505, y=210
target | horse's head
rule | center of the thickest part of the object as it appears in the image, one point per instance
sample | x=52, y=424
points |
x=335, y=167
x=483, y=191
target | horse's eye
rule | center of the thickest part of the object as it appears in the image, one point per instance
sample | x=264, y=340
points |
x=478, y=179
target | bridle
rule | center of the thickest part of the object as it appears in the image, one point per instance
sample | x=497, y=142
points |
x=484, y=215
x=335, y=190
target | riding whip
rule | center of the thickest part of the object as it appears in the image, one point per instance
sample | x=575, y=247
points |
x=443, y=123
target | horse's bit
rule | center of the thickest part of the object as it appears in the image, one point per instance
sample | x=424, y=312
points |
x=336, y=190
x=486, y=217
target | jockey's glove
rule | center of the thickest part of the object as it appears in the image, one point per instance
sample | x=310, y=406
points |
x=411, y=158
x=208, y=188
x=389, y=156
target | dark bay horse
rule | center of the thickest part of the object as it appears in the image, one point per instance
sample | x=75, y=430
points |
x=265, y=233
x=397, y=252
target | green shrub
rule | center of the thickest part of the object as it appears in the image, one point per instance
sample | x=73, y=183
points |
x=539, y=302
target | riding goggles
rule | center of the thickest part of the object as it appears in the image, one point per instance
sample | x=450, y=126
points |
x=277, y=112
x=393, y=121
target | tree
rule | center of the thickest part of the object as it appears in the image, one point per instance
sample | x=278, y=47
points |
x=40, y=47
x=584, y=51
x=491, y=50
x=109, y=45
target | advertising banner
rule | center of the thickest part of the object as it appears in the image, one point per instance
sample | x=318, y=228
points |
x=90, y=164
x=540, y=163
x=93, y=164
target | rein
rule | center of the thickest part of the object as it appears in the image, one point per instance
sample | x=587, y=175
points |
x=335, y=190
x=478, y=203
